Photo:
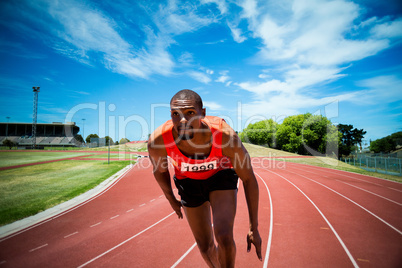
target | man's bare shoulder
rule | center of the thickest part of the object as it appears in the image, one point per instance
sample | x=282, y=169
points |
x=155, y=141
x=230, y=139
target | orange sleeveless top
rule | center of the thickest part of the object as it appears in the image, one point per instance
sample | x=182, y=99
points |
x=197, y=169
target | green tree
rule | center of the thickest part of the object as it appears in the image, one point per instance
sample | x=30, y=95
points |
x=261, y=133
x=9, y=144
x=107, y=138
x=79, y=138
x=88, y=139
x=350, y=137
x=124, y=140
x=308, y=134
x=289, y=134
x=386, y=144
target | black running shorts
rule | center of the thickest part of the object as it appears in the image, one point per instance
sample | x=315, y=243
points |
x=194, y=193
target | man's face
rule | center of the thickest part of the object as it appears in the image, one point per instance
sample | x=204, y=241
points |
x=186, y=117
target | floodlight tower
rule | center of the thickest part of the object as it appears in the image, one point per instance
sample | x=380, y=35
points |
x=35, y=115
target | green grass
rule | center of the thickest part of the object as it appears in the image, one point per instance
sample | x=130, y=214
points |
x=28, y=190
x=113, y=156
x=12, y=158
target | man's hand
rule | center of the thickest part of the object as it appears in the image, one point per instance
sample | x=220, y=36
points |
x=253, y=237
x=176, y=205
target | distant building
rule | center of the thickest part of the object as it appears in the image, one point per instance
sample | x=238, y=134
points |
x=55, y=134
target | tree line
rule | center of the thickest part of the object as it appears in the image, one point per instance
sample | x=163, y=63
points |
x=79, y=138
x=304, y=134
x=386, y=144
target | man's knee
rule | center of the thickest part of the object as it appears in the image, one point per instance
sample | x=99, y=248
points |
x=224, y=238
x=205, y=246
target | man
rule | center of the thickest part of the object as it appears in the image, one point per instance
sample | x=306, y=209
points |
x=207, y=156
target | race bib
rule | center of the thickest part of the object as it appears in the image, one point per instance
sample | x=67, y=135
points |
x=199, y=167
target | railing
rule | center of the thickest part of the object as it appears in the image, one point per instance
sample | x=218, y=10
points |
x=386, y=165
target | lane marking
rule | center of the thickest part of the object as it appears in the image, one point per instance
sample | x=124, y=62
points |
x=142, y=205
x=326, y=220
x=96, y=224
x=129, y=210
x=114, y=217
x=32, y=250
x=394, y=189
x=363, y=260
x=355, y=179
x=71, y=234
x=365, y=209
x=271, y=221
x=371, y=193
x=184, y=255
x=125, y=241
x=340, y=172
x=2, y=262
x=152, y=200
x=161, y=196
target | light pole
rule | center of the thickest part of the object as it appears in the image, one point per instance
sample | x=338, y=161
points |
x=83, y=129
x=35, y=115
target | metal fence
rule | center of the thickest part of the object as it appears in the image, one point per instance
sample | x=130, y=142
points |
x=386, y=165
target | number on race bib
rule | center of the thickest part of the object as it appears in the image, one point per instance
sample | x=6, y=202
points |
x=198, y=167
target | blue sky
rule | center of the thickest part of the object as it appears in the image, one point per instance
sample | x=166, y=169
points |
x=116, y=64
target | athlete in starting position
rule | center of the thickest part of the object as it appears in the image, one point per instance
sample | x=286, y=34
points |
x=208, y=157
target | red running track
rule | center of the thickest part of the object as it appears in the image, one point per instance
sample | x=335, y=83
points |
x=309, y=217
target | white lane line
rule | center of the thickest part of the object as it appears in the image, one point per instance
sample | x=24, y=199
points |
x=152, y=201
x=326, y=220
x=32, y=250
x=142, y=205
x=122, y=243
x=341, y=172
x=184, y=255
x=394, y=189
x=129, y=210
x=96, y=224
x=371, y=193
x=71, y=234
x=357, y=186
x=161, y=196
x=271, y=222
x=360, y=206
x=114, y=217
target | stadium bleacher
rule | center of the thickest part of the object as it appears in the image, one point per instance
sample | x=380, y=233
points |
x=50, y=135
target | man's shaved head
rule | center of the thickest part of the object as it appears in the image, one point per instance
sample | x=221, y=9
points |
x=187, y=94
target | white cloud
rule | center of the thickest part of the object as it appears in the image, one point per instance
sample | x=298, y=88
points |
x=384, y=89
x=223, y=78
x=212, y=105
x=308, y=44
x=200, y=77
x=236, y=33
x=389, y=29
x=281, y=105
x=178, y=18
x=314, y=32
x=221, y=4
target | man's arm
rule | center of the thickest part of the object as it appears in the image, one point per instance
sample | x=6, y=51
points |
x=238, y=155
x=158, y=157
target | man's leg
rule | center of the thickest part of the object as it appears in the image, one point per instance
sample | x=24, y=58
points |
x=199, y=219
x=223, y=203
